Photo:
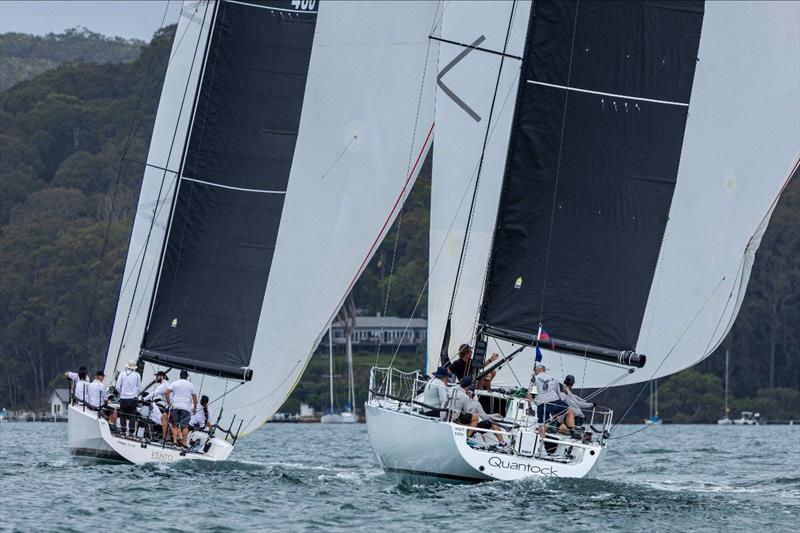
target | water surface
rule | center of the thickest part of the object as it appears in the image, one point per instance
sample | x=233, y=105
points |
x=314, y=477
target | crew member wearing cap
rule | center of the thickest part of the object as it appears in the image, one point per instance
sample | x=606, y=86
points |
x=575, y=402
x=97, y=398
x=435, y=394
x=159, y=393
x=128, y=383
x=549, y=402
x=460, y=367
x=461, y=402
x=182, y=398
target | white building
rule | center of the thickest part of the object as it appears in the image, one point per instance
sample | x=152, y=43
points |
x=59, y=402
x=392, y=331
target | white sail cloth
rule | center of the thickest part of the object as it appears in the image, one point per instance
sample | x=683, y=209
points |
x=741, y=144
x=365, y=128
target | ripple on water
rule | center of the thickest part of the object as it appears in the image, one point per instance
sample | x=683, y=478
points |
x=333, y=482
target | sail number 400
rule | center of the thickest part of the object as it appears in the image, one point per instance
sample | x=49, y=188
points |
x=304, y=4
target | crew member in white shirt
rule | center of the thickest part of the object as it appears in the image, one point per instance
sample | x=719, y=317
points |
x=128, y=383
x=159, y=393
x=182, y=398
x=96, y=397
x=79, y=383
x=549, y=400
x=201, y=419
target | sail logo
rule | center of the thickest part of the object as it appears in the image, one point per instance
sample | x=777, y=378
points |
x=498, y=462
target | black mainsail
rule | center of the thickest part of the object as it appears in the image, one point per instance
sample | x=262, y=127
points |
x=592, y=166
x=233, y=184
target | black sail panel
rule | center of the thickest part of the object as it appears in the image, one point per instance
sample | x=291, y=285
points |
x=229, y=201
x=592, y=166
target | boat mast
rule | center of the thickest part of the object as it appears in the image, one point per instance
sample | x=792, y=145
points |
x=330, y=361
x=727, y=356
x=350, y=392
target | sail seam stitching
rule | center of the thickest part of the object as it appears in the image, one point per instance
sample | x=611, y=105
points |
x=613, y=95
x=264, y=191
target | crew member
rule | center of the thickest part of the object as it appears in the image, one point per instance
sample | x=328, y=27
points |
x=549, y=402
x=156, y=416
x=474, y=407
x=460, y=403
x=182, y=400
x=97, y=398
x=575, y=402
x=201, y=419
x=128, y=383
x=460, y=367
x=78, y=383
x=435, y=394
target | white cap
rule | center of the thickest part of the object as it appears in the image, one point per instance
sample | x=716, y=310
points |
x=537, y=365
x=131, y=364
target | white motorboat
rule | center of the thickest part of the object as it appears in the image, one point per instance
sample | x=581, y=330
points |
x=414, y=446
x=345, y=417
x=278, y=161
x=748, y=418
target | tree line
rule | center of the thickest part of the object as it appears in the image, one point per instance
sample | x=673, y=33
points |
x=67, y=202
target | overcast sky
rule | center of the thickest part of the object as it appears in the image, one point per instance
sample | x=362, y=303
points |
x=125, y=18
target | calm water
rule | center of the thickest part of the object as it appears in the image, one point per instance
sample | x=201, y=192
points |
x=310, y=477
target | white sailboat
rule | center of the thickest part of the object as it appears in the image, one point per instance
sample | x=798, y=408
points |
x=347, y=416
x=653, y=417
x=287, y=137
x=603, y=172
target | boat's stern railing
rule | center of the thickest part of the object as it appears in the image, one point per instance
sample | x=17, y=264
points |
x=393, y=384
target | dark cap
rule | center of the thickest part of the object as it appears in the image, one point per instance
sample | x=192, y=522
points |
x=203, y=399
x=441, y=372
x=184, y=373
x=160, y=373
x=464, y=348
x=467, y=381
x=569, y=380
x=82, y=369
x=100, y=373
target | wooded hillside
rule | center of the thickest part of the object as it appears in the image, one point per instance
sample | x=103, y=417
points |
x=64, y=187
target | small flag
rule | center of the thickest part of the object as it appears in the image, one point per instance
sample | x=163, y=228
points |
x=538, y=355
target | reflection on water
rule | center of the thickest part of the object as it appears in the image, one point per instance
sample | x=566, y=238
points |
x=311, y=477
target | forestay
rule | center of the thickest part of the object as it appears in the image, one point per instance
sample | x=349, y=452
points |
x=311, y=124
x=479, y=71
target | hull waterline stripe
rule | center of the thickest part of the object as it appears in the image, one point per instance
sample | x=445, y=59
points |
x=232, y=188
x=98, y=454
x=612, y=95
x=270, y=7
x=432, y=474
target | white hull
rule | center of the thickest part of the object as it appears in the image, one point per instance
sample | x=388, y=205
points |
x=339, y=418
x=417, y=447
x=725, y=422
x=90, y=436
x=139, y=452
x=84, y=436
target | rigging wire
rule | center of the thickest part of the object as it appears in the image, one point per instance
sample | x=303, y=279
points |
x=470, y=214
x=160, y=189
x=126, y=147
x=452, y=224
